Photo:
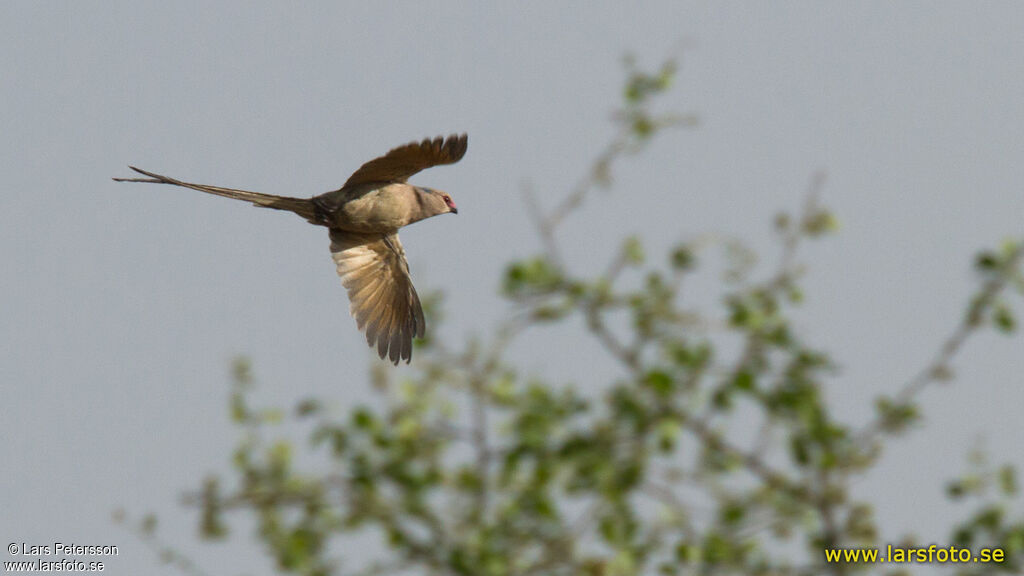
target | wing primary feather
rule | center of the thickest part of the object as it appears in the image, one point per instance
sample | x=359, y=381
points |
x=420, y=322
x=402, y=162
x=384, y=302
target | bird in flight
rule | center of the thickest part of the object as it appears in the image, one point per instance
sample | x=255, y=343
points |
x=363, y=218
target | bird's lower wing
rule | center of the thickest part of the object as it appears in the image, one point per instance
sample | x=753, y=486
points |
x=384, y=302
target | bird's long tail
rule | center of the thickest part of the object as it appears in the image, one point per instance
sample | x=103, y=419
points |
x=301, y=206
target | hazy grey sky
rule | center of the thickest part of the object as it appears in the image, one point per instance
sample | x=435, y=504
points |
x=122, y=304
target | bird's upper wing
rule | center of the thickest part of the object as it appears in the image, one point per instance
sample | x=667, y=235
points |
x=383, y=300
x=402, y=162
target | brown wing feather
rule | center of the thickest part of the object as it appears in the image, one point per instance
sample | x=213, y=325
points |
x=384, y=302
x=401, y=163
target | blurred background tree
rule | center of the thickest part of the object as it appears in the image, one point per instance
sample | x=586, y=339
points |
x=715, y=454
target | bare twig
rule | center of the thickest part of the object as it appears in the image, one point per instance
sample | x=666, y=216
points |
x=751, y=461
x=544, y=229
x=146, y=533
x=938, y=368
x=610, y=343
x=795, y=233
x=598, y=173
x=480, y=441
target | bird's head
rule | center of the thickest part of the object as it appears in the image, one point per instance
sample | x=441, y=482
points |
x=440, y=202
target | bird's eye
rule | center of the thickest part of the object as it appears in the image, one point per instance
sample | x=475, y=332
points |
x=448, y=199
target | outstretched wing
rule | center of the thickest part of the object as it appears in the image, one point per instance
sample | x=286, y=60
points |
x=383, y=300
x=402, y=162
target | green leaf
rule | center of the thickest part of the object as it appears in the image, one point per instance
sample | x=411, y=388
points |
x=1008, y=480
x=820, y=223
x=683, y=258
x=148, y=525
x=668, y=432
x=986, y=261
x=895, y=417
x=659, y=382
x=308, y=407
x=363, y=419
x=1004, y=319
x=722, y=398
x=687, y=553
x=956, y=490
x=782, y=222
x=743, y=380
x=799, y=450
x=280, y=453
x=549, y=313
x=241, y=371
x=633, y=251
x=695, y=357
x=536, y=275
x=732, y=513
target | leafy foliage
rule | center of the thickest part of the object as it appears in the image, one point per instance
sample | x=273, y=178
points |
x=471, y=467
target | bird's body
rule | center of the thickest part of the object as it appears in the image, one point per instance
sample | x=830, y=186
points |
x=363, y=217
x=369, y=208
